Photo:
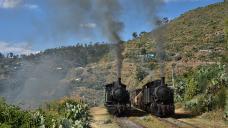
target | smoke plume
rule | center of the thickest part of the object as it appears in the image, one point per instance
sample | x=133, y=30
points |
x=36, y=82
x=160, y=40
x=108, y=13
x=69, y=15
x=151, y=7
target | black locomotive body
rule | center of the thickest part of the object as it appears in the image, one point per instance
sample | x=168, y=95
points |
x=117, y=98
x=156, y=98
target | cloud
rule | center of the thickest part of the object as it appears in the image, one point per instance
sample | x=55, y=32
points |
x=10, y=3
x=19, y=48
x=31, y=6
x=88, y=25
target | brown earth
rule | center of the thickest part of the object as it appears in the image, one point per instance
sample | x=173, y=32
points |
x=102, y=119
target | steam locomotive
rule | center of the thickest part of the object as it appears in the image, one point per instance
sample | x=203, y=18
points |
x=117, y=98
x=154, y=97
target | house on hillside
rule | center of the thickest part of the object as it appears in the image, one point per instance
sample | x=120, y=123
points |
x=147, y=56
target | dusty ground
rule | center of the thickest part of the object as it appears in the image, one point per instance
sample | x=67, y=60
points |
x=102, y=119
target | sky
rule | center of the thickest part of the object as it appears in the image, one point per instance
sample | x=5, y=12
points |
x=29, y=26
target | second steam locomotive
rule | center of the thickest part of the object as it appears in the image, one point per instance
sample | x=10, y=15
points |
x=154, y=97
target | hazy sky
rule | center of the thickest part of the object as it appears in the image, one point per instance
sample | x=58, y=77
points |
x=29, y=25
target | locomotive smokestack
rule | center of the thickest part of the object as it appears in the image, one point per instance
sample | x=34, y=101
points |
x=163, y=81
x=119, y=81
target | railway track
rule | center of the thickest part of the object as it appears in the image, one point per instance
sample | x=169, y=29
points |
x=171, y=122
x=124, y=122
x=175, y=123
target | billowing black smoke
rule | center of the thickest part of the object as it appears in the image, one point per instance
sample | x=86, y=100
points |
x=160, y=40
x=68, y=16
x=108, y=13
x=64, y=19
x=151, y=8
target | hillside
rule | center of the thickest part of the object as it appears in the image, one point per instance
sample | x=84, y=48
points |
x=199, y=29
x=193, y=39
x=197, y=37
x=33, y=79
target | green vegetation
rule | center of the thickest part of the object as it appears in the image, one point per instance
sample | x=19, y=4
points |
x=140, y=73
x=67, y=114
x=226, y=32
x=203, y=89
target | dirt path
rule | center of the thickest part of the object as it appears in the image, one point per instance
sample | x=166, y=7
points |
x=102, y=119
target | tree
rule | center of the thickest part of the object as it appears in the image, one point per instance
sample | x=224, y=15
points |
x=165, y=20
x=10, y=55
x=142, y=33
x=140, y=73
x=143, y=51
x=135, y=35
x=1, y=55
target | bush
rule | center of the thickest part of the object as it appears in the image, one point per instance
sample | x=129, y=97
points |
x=68, y=114
x=203, y=89
x=140, y=74
x=12, y=116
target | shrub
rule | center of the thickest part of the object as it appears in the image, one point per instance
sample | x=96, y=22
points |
x=203, y=89
x=13, y=116
x=68, y=114
x=140, y=74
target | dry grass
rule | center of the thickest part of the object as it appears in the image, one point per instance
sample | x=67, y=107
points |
x=150, y=122
x=212, y=119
